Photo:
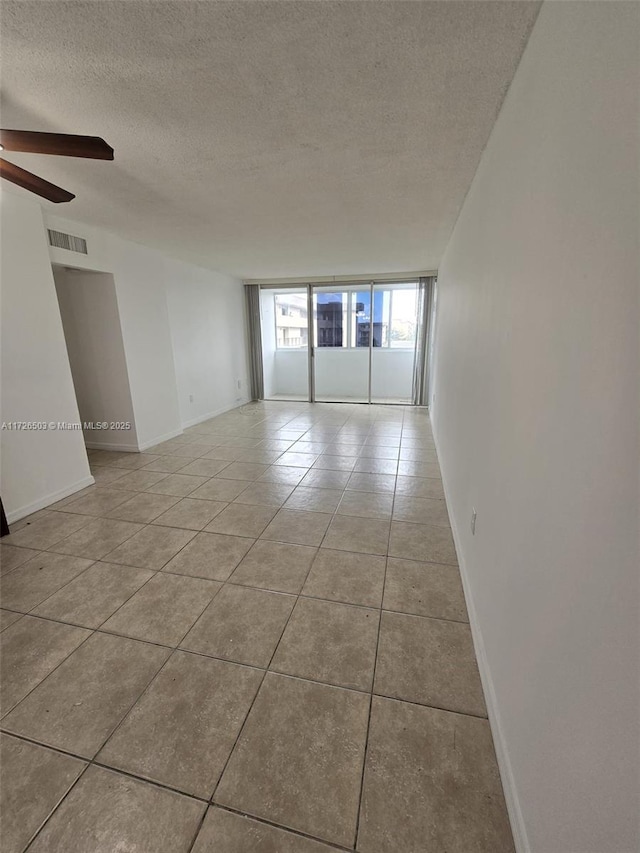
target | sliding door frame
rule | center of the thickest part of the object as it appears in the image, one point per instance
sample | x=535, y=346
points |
x=350, y=283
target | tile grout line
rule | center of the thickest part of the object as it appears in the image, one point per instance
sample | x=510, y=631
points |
x=373, y=678
x=267, y=669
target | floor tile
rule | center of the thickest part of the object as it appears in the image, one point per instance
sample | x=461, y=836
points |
x=424, y=589
x=241, y=624
x=143, y=507
x=364, y=535
x=210, y=555
x=287, y=474
x=221, y=490
x=266, y=494
x=103, y=477
x=298, y=528
x=325, y=479
x=408, y=468
x=179, y=485
x=41, y=514
x=191, y=514
x=94, y=595
x=133, y=461
x=297, y=460
x=330, y=642
x=98, y=503
x=276, y=444
x=138, y=481
x=420, y=487
x=234, y=833
x=345, y=576
x=223, y=454
x=366, y=504
x=151, y=548
x=314, y=500
x=243, y=471
x=7, y=617
x=34, y=780
x=11, y=557
x=109, y=812
x=373, y=465
x=88, y=490
x=425, y=542
x=190, y=450
x=379, y=451
x=312, y=447
x=371, y=482
x=194, y=710
x=275, y=565
x=84, y=699
x=439, y=770
x=39, y=578
x=262, y=456
x=298, y=761
x=47, y=530
x=167, y=464
x=164, y=609
x=329, y=462
x=428, y=661
x=242, y=520
x=242, y=441
x=419, y=454
x=97, y=538
x=421, y=510
x=31, y=649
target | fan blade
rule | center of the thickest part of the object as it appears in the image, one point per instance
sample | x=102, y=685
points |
x=62, y=144
x=33, y=183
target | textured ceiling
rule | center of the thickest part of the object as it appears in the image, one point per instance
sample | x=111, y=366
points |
x=267, y=138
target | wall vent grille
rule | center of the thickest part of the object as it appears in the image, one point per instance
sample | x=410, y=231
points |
x=67, y=241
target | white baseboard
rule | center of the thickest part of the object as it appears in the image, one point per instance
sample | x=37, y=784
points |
x=47, y=500
x=158, y=439
x=110, y=445
x=516, y=819
x=201, y=418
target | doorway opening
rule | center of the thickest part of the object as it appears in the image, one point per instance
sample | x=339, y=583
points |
x=93, y=337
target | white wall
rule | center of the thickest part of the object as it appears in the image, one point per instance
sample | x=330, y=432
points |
x=203, y=337
x=141, y=290
x=206, y=315
x=39, y=466
x=91, y=322
x=536, y=423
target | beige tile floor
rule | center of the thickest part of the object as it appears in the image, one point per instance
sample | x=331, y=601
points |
x=252, y=637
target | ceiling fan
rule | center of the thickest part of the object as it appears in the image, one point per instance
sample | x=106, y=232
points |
x=60, y=144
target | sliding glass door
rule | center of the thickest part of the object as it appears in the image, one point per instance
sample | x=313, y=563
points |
x=351, y=343
x=284, y=323
x=341, y=354
x=393, y=351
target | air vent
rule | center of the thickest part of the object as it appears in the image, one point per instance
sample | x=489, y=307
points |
x=67, y=241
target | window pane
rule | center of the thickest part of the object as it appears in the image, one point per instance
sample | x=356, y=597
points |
x=403, y=319
x=331, y=326
x=362, y=321
x=292, y=326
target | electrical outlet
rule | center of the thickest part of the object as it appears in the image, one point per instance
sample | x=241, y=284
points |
x=239, y=383
x=473, y=521
x=191, y=398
